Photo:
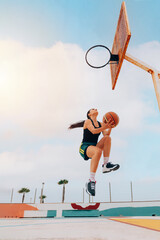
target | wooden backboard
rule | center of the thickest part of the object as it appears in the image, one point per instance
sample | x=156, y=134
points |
x=120, y=43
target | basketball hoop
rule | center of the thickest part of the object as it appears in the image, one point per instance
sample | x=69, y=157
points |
x=113, y=58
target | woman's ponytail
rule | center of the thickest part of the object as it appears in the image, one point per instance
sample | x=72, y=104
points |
x=76, y=125
x=79, y=124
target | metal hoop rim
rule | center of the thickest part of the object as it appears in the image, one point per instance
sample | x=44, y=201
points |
x=95, y=47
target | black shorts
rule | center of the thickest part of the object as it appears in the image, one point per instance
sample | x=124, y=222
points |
x=83, y=149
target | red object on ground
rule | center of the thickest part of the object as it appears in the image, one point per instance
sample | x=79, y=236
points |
x=14, y=210
x=89, y=207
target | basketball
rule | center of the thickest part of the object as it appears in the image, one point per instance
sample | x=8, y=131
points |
x=111, y=116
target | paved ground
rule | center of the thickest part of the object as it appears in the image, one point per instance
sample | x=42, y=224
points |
x=74, y=229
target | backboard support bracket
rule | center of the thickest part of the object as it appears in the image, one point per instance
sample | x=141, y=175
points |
x=154, y=72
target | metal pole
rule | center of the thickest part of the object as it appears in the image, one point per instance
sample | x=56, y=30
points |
x=83, y=195
x=138, y=63
x=12, y=195
x=42, y=192
x=156, y=83
x=35, y=195
x=131, y=192
x=110, y=192
x=154, y=72
x=41, y=196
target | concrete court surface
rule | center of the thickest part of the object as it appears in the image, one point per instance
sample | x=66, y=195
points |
x=74, y=229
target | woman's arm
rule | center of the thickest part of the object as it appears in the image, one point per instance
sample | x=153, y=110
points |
x=104, y=126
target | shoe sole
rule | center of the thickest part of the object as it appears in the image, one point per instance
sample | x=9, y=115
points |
x=113, y=169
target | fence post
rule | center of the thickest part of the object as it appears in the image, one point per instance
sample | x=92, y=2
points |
x=35, y=195
x=83, y=195
x=12, y=195
x=131, y=192
x=110, y=192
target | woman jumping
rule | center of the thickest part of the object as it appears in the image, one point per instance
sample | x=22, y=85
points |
x=92, y=149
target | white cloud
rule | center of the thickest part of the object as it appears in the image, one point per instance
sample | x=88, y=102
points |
x=43, y=90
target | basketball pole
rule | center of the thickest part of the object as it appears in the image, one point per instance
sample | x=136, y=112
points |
x=156, y=82
x=154, y=72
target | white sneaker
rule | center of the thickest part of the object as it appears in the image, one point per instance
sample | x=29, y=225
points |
x=106, y=168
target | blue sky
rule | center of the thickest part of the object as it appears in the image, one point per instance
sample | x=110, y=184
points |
x=42, y=23
x=46, y=85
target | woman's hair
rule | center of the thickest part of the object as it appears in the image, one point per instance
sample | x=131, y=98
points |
x=79, y=124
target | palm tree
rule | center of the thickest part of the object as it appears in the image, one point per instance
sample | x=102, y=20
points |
x=42, y=197
x=64, y=181
x=24, y=191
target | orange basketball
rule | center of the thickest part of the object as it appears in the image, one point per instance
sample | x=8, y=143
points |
x=111, y=116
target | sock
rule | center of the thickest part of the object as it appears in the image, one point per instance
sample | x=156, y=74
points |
x=92, y=176
x=106, y=160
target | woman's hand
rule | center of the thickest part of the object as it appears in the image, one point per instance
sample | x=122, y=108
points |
x=109, y=124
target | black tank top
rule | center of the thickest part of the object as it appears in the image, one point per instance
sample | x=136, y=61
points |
x=90, y=137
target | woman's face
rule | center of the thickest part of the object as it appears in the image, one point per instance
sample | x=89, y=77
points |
x=93, y=112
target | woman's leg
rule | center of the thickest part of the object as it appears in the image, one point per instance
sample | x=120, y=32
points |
x=105, y=145
x=94, y=153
